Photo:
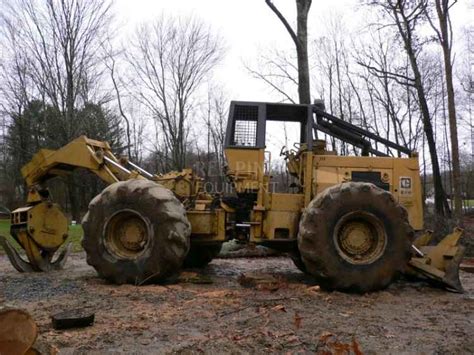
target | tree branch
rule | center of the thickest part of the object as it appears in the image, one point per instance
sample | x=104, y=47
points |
x=394, y=76
x=274, y=86
x=284, y=21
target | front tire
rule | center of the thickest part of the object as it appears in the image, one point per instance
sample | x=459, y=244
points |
x=136, y=231
x=355, y=237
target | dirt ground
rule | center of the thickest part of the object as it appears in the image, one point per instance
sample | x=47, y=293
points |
x=290, y=316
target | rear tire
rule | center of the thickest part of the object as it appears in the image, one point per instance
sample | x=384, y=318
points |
x=136, y=231
x=355, y=237
x=201, y=254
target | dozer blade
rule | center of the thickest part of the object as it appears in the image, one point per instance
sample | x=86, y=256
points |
x=438, y=264
x=38, y=260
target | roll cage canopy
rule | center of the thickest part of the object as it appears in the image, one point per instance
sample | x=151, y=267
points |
x=247, y=125
x=247, y=122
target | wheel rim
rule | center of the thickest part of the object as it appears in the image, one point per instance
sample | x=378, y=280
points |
x=127, y=234
x=360, y=238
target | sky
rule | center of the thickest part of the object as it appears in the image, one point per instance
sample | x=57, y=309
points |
x=249, y=26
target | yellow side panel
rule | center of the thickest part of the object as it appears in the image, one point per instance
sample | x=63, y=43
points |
x=325, y=177
x=207, y=225
x=286, y=202
x=282, y=215
x=280, y=224
x=402, y=174
x=246, y=167
x=245, y=161
x=370, y=163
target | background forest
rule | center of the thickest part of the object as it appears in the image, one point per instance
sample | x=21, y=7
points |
x=401, y=70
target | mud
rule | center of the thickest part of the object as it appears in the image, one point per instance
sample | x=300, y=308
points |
x=292, y=316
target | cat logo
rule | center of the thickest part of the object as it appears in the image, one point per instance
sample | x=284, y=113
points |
x=405, y=186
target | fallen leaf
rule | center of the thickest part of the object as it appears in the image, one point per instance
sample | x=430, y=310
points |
x=292, y=339
x=340, y=348
x=297, y=321
x=194, y=278
x=268, y=287
x=262, y=282
x=356, y=347
x=316, y=288
x=215, y=294
x=325, y=336
x=331, y=345
x=279, y=307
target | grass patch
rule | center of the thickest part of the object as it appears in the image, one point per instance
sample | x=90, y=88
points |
x=468, y=203
x=4, y=227
x=75, y=236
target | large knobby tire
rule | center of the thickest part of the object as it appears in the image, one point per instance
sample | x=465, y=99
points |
x=136, y=231
x=201, y=254
x=355, y=237
x=298, y=262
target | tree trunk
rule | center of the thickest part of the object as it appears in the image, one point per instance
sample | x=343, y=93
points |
x=442, y=9
x=301, y=42
x=441, y=204
x=302, y=7
x=405, y=30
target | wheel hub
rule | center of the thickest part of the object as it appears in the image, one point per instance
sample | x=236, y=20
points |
x=127, y=234
x=360, y=237
x=356, y=238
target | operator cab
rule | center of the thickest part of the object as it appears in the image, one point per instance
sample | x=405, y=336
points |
x=252, y=129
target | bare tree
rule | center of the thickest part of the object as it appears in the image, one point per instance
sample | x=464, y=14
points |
x=111, y=64
x=444, y=35
x=467, y=82
x=278, y=70
x=16, y=92
x=60, y=40
x=380, y=58
x=170, y=59
x=406, y=16
x=215, y=118
x=300, y=38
